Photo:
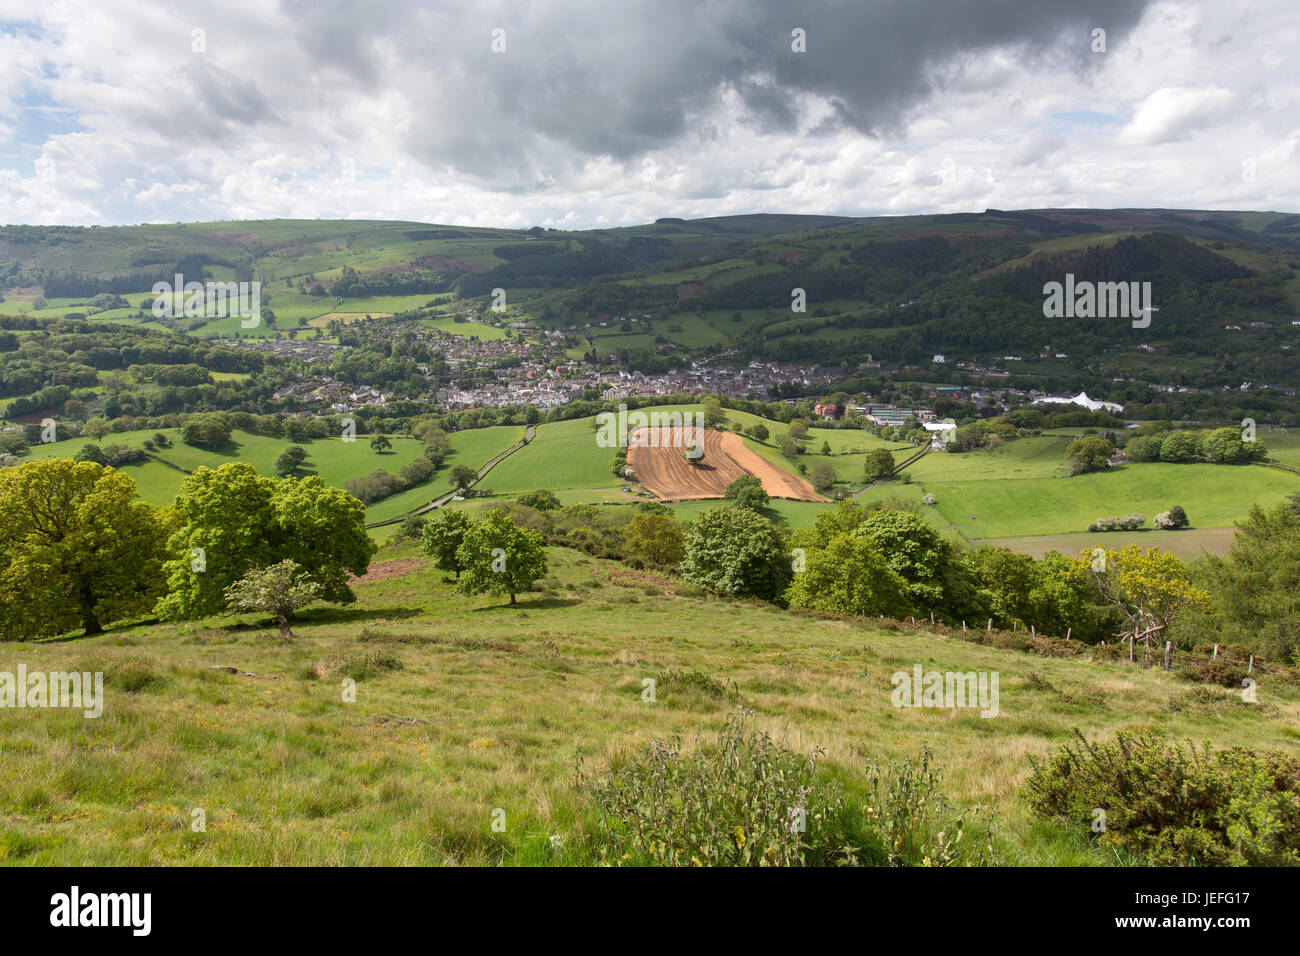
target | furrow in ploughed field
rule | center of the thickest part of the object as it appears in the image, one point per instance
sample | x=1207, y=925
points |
x=656, y=457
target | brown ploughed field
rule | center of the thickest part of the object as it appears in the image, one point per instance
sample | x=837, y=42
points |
x=658, y=464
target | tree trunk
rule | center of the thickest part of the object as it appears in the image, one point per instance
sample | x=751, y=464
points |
x=90, y=623
x=512, y=597
x=283, y=620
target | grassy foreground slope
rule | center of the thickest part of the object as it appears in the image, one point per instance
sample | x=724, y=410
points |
x=465, y=706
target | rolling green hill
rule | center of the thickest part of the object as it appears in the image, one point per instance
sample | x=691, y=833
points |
x=465, y=707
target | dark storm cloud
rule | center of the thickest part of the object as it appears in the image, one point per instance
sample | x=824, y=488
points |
x=620, y=79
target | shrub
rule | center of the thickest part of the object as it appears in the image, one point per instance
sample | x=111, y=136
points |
x=1172, y=520
x=750, y=801
x=1225, y=673
x=541, y=499
x=1179, y=804
x=739, y=804
x=1128, y=522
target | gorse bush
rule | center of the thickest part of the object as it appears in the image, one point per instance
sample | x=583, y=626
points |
x=1176, y=804
x=749, y=801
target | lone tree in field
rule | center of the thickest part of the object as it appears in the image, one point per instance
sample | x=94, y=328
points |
x=462, y=476
x=499, y=557
x=879, y=464
x=1089, y=453
x=441, y=535
x=279, y=590
x=823, y=478
x=290, y=460
x=381, y=443
x=77, y=549
x=694, y=454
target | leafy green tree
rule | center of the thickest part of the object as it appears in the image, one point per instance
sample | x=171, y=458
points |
x=1089, y=453
x=462, y=476
x=1005, y=579
x=713, y=413
x=1225, y=446
x=1180, y=446
x=823, y=478
x=758, y=431
x=747, y=492
x=499, y=557
x=76, y=549
x=92, y=453
x=381, y=443
x=849, y=576
x=442, y=535
x=878, y=464
x=232, y=520
x=917, y=552
x=542, y=499
x=290, y=460
x=280, y=590
x=1255, y=587
x=738, y=552
x=656, y=538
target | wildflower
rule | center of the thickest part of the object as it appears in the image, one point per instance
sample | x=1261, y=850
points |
x=740, y=838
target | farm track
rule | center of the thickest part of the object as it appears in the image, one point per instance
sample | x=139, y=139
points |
x=659, y=465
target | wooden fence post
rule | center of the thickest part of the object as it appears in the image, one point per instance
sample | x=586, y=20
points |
x=1032, y=632
x=1251, y=666
x=932, y=617
x=1216, y=652
x=1130, y=648
x=1068, y=632
x=1168, y=645
x=990, y=627
x=963, y=627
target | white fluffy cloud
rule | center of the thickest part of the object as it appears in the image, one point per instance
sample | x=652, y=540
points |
x=619, y=113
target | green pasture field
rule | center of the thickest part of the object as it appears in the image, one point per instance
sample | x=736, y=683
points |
x=562, y=455
x=1214, y=496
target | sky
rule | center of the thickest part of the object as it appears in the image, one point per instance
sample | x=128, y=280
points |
x=581, y=115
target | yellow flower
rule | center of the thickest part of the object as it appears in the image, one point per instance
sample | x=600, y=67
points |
x=740, y=838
